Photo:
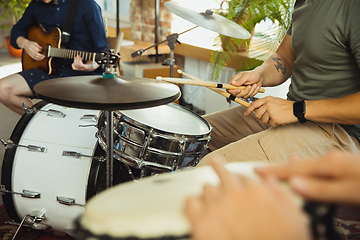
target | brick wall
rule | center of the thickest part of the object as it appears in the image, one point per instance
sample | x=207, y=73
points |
x=142, y=17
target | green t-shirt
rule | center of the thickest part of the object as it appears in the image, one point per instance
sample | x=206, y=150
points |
x=325, y=38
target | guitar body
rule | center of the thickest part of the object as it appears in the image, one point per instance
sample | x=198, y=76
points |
x=44, y=39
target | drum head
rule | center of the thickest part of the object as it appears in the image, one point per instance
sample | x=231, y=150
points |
x=150, y=209
x=171, y=118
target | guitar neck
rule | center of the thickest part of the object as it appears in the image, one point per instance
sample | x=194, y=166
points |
x=70, y=54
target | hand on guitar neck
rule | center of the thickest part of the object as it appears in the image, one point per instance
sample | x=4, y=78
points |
x=78, y=65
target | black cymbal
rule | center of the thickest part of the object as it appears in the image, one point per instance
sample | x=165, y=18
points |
x=209, y=20
x=103, y=93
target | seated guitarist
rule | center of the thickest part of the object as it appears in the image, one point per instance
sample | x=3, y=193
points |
x=88, y=34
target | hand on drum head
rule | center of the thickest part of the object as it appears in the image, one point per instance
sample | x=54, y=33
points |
x=242, y=208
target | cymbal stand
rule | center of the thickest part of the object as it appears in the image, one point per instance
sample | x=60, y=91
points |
x=107, y=41
x=172, y=39
x=109, y=120
x=109, y=152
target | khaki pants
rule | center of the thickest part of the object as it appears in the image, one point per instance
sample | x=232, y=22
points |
x=240, y=138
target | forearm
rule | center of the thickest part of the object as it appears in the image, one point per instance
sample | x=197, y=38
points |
x=274, y=71
x=278, y=67
x=20, y=41
x=345, y=110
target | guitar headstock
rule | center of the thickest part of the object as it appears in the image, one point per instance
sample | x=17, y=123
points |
x=101, y=58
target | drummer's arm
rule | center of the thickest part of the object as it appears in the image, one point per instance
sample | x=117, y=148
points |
x=278, y=67
x=274, y=71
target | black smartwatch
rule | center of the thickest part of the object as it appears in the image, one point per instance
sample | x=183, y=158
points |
x=299, y=110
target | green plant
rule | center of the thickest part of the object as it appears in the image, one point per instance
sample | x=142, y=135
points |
x=13, y=9
x=248, y=13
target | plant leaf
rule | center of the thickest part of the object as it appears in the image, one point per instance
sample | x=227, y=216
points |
x=248, y=13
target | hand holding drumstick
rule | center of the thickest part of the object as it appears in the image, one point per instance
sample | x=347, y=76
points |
x=202, y=83
x=233, y=98
x=225, y=94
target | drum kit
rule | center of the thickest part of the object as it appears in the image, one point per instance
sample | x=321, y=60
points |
x=93, y=132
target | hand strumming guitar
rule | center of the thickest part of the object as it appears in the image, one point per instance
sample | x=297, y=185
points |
x=32, y=48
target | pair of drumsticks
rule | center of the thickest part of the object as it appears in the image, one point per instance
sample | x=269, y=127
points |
x=212, y=86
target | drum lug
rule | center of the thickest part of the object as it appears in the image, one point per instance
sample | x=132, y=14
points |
x=68, y=201
x=54, y=113
x=25, y=193
x=148, y=140
x=89, y=118
x=79, y=155
x=50, y=112
x=30, y=148
x=182, y=146
x=30, y=194
x=208, y=142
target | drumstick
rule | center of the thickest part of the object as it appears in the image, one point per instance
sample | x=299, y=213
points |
x=202, y=83
x=225, y=94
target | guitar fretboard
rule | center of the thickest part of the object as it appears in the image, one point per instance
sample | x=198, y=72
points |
x=71, y=54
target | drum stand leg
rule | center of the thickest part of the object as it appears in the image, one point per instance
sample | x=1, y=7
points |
x=109, y=152
x=34, y=219
x=17, y=230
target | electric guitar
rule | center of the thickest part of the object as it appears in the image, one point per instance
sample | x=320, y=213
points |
x=50, y=41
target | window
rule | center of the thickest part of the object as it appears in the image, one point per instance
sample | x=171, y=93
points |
x=109, y=12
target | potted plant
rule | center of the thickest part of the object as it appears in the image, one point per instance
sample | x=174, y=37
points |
x=248, y=13
x=12, y=10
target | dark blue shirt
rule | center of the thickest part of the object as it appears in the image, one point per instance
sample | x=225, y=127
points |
x=88, y=32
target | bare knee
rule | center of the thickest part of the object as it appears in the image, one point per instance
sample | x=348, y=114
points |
x=13, y=86
x=6, y=90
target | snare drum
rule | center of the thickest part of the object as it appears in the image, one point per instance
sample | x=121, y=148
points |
x=54, y=166
x=152, y=208
x=163, y=138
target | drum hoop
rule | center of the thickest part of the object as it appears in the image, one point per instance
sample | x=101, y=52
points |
x=8, y=162
x=91, y=189
x=83, y=234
